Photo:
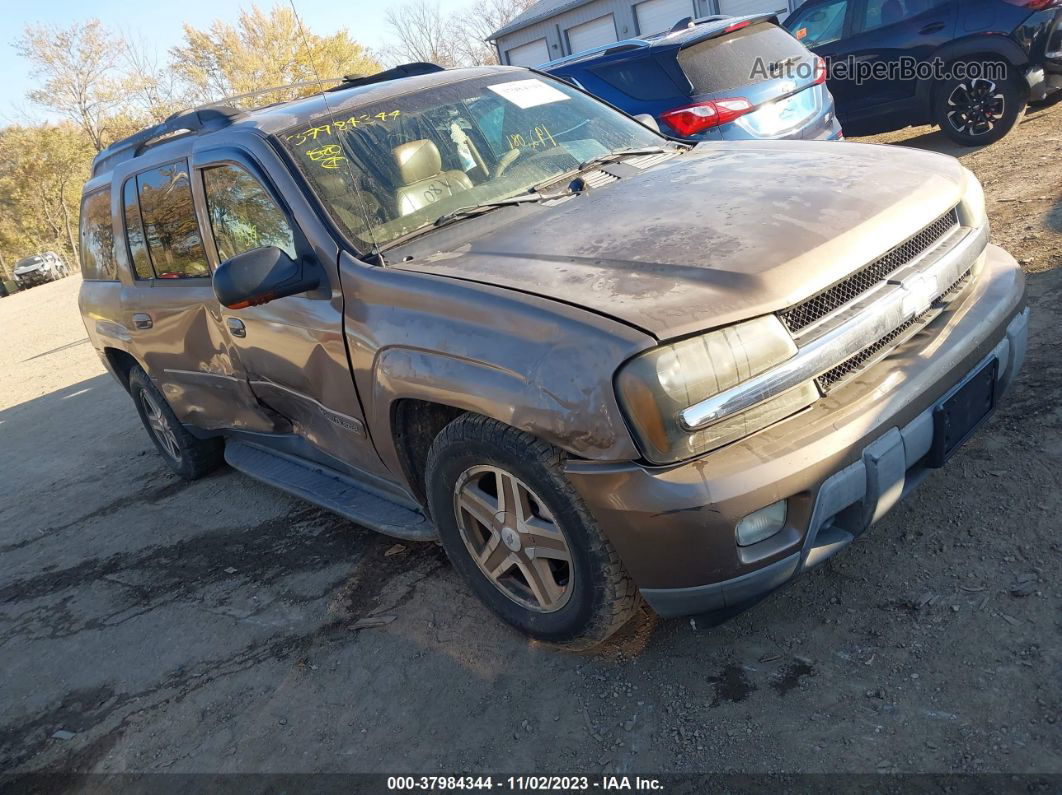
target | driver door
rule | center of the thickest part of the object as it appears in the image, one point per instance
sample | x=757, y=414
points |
x=292, y=349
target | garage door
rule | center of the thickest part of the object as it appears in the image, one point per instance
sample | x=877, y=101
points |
x=534, y=53
x=592, y=34
x=739, y=8
x=657, y=16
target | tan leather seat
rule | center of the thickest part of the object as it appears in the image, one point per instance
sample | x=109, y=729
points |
x=423, y=180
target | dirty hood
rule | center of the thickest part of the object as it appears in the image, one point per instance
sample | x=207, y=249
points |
x=724, y=233
x=28, y=268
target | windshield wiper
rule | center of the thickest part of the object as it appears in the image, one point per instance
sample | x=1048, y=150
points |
x=476, y=209
x=612, y=157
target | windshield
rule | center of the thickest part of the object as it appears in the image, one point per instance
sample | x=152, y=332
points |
x=392, y=168
x=22, y=263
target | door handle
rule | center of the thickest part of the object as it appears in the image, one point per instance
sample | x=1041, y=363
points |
x=236, y=327
x=142, y=320
x=934, y=27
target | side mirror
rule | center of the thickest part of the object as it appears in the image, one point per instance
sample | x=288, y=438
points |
x=262, y=275
x=648, y=120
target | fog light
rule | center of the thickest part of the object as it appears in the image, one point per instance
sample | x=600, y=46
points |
x=761, y=525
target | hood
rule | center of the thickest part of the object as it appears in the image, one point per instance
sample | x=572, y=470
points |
x=27, y=268
x=726, y=232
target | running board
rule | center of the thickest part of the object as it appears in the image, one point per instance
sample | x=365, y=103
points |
x=330, y=490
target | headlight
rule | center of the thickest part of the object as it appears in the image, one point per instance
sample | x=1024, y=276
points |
x=972, y=209
x=655, y=387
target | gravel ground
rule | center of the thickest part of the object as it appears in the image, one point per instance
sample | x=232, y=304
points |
x=147, y=624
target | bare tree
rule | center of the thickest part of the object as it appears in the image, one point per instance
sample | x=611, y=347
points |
x=78, y=66
x=479, y=21
x=151, y=88
x=423, y=33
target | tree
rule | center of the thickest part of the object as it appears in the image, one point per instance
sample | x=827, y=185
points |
x=263, y=50
x=424, y=34
x=41, y=172
x=480, y=21
x=79, y=66
x=152, y=89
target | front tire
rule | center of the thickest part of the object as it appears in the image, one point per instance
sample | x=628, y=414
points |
x=979, y=111
x=521, y=537
x=189, y=457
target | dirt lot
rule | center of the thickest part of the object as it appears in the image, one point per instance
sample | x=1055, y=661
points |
x=147, y=624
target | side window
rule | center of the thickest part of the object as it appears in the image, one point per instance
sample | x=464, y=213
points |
x=242, y=214
x=882, y=13
x=134, y=232
x=97, y=238
x=170, y=228
x=642, y=79
x=821, y=24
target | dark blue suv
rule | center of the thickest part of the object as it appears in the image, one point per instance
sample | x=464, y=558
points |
x=969, y=66
x=715, y=78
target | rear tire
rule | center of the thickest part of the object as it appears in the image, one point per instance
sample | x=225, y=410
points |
x=189, y=457
x=521, y=537
x=979, y=111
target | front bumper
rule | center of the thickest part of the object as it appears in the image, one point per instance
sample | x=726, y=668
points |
x=842, y=464
x=31, y=278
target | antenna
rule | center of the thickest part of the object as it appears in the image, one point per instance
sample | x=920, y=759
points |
x=331, y=116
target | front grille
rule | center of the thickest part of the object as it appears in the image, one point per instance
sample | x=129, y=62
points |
x=850, y=367
x=802, y=315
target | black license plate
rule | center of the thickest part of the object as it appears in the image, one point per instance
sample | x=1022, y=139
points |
x=960, y=413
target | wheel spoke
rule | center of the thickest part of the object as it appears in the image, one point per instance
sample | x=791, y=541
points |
x=495, y=558
x=478, y=504
x=542, y=540
x=512, y=498
x=540, y=581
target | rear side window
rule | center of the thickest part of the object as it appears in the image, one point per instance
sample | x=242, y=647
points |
x=134, y=232
x=729, y=62
x=170, y=227
x=242, y=214
x=97, y=238
x=641, y=79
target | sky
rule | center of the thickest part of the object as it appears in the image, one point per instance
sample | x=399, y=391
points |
x=158, y=23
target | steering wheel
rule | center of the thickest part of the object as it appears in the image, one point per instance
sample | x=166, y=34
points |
x=506, y=160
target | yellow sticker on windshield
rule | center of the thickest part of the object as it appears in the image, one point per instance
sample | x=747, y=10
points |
x=536, y=137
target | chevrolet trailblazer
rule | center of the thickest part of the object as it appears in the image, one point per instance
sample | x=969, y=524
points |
x=597, y=364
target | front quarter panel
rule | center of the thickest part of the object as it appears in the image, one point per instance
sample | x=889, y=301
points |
x=532, y=363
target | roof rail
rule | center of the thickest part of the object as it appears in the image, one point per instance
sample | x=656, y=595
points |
x=222, y=113
x=601, y=49
x=204, y=119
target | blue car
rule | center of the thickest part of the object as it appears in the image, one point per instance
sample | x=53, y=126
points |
x=715, y=78
x=969, y=67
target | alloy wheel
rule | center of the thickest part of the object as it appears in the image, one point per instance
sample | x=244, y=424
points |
x=976, y=107
x=160, y=425
x=513, y=538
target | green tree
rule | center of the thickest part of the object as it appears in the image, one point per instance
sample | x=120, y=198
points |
x=263, y=50
x=42, y=170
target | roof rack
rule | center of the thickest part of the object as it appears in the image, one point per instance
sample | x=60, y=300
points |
x=394, y=73
x=222, y=113
x=204, y=119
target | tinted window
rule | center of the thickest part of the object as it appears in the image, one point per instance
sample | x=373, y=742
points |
x=242, y=214
x=97, y=237
x=882, y=13
x=734, y=61
x=134, y=232
x=641, y=79
x=170, y=227
x=820, y=24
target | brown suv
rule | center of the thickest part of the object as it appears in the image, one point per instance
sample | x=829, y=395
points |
x=482, y=307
